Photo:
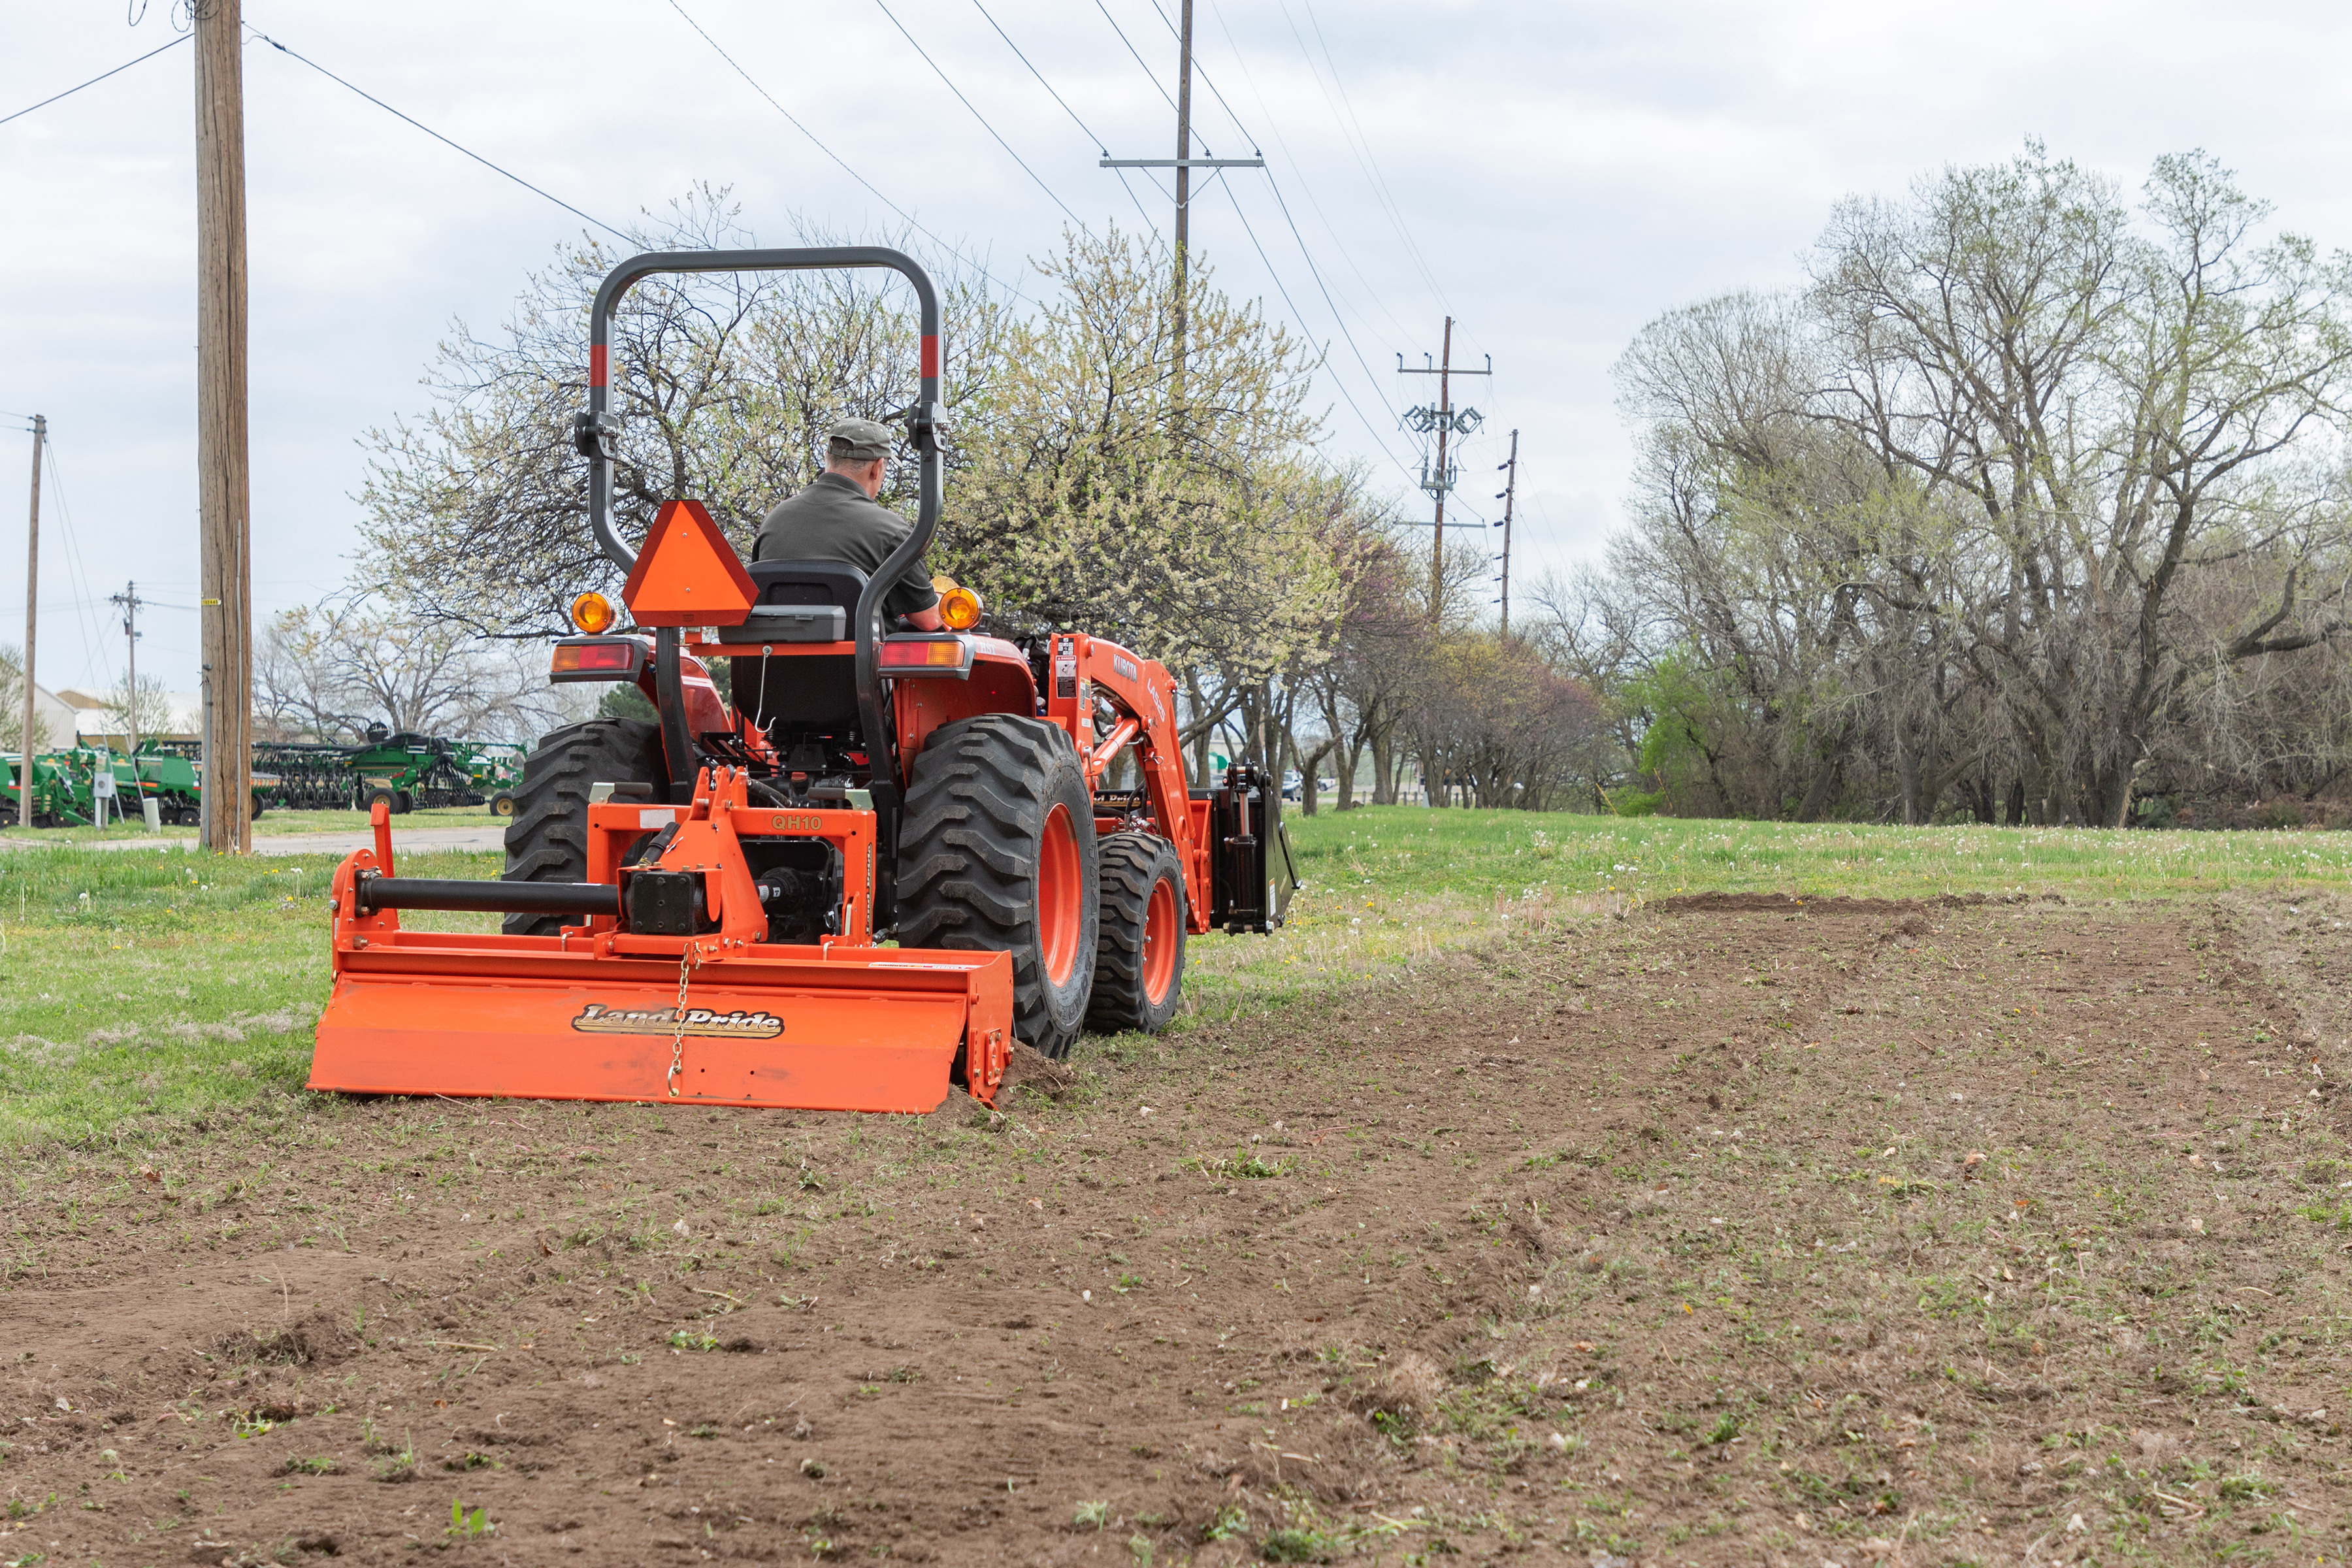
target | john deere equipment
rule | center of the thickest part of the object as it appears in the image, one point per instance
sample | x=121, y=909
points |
x=57, y=800
x=700, y=908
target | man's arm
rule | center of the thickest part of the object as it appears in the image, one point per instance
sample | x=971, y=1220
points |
x=913, y=599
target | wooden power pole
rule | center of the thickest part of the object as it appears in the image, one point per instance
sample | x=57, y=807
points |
x=1183, y=164
x=30, y=744
x=1446, y=420
x=223, y=483
x=1445, y=428
x=130, y=601
x=1509, y=496
x=1183, y=183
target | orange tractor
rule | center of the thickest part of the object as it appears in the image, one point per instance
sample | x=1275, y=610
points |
x=703, y=908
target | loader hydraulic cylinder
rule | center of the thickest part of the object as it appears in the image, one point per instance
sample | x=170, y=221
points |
x=375, y=893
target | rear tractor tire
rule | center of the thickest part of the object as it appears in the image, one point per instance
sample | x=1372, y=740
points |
x=1139, y=955
x=547, y=840
x=996, y=854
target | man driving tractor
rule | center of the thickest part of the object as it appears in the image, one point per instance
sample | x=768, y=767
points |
x=838, y=518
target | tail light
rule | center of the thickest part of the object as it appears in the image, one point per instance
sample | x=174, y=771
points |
x=598, y=659
x=906, y=656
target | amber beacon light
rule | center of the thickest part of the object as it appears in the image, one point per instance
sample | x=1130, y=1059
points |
x=592, y=613
x=960, y=609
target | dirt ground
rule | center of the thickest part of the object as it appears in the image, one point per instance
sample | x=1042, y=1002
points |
x=1739, y=1231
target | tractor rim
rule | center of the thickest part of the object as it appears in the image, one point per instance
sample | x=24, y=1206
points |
x=1160, y=939
x=1057, y=896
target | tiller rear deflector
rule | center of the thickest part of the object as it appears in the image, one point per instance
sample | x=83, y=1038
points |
x=597, y=1013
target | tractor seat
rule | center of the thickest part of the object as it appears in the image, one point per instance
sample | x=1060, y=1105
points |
x=800, y=601
x=803, y=601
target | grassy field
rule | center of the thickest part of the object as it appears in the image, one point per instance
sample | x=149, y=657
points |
x=141, y=989
x=269, y=824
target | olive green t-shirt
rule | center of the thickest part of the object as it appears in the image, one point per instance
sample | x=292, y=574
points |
x=832, y=520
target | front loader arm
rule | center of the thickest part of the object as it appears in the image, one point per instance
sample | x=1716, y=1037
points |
x=1144, y=695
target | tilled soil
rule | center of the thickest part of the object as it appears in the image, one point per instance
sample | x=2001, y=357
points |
x=1739, y=1231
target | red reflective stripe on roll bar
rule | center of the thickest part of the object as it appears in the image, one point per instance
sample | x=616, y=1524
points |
x=595, y=364
x=930, y=354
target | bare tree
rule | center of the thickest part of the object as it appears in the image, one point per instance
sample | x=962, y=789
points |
x=477, y=515
x=2026, y=482
x=327, y=673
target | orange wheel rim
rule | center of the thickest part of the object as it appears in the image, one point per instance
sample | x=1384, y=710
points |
x=1159, y=941
x=1058, y=918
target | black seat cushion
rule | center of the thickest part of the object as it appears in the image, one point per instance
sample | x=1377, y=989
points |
x=808, y=583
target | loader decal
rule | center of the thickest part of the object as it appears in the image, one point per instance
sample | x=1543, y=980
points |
x=598, y=1019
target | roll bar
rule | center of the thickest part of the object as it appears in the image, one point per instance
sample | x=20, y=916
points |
x=597, y=434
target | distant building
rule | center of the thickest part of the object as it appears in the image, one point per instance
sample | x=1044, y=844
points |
x=53, y=718
x=96, y=723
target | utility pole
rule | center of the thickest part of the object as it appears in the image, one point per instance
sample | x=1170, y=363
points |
x=1446, y=420
x=1183, y=164
x=129, y=601
x=1183, y=185
x=224, y=485
x=1510, y=495
x=29, y=743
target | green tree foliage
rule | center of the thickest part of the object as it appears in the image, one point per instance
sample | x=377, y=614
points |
x=2031, y=500
x=1190, y=521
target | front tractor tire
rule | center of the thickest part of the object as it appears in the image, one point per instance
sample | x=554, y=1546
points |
x=1139, y=953
x=547, y=840
x=997, y=854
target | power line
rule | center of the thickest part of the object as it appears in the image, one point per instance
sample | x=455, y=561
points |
x=1358, y=152
x=976, y=114
x=468, y=152
x=904, y=217
x=1148, y=71
x=93, y=81
x=74, y=572
x=1339, y=318
x=1073, y=113
x=1048, y=86
x=1316, y=274
x=1359, y=144
x=1300, y=317
x=1231, y=43
x=1297, y=315
x=1205, y=81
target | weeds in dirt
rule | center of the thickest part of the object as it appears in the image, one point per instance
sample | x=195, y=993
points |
x=468, y=1524
x=1093, y=1515
x=1245, y=1167
x=692, y=1339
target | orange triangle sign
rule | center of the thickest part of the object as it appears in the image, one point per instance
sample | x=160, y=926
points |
x=687, y=575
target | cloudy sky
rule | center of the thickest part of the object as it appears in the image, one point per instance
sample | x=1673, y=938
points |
x=1552, y=175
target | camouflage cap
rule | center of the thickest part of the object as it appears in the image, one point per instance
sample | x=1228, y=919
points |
x=857, y=440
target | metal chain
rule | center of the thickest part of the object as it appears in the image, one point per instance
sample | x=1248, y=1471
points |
x=686, y=962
